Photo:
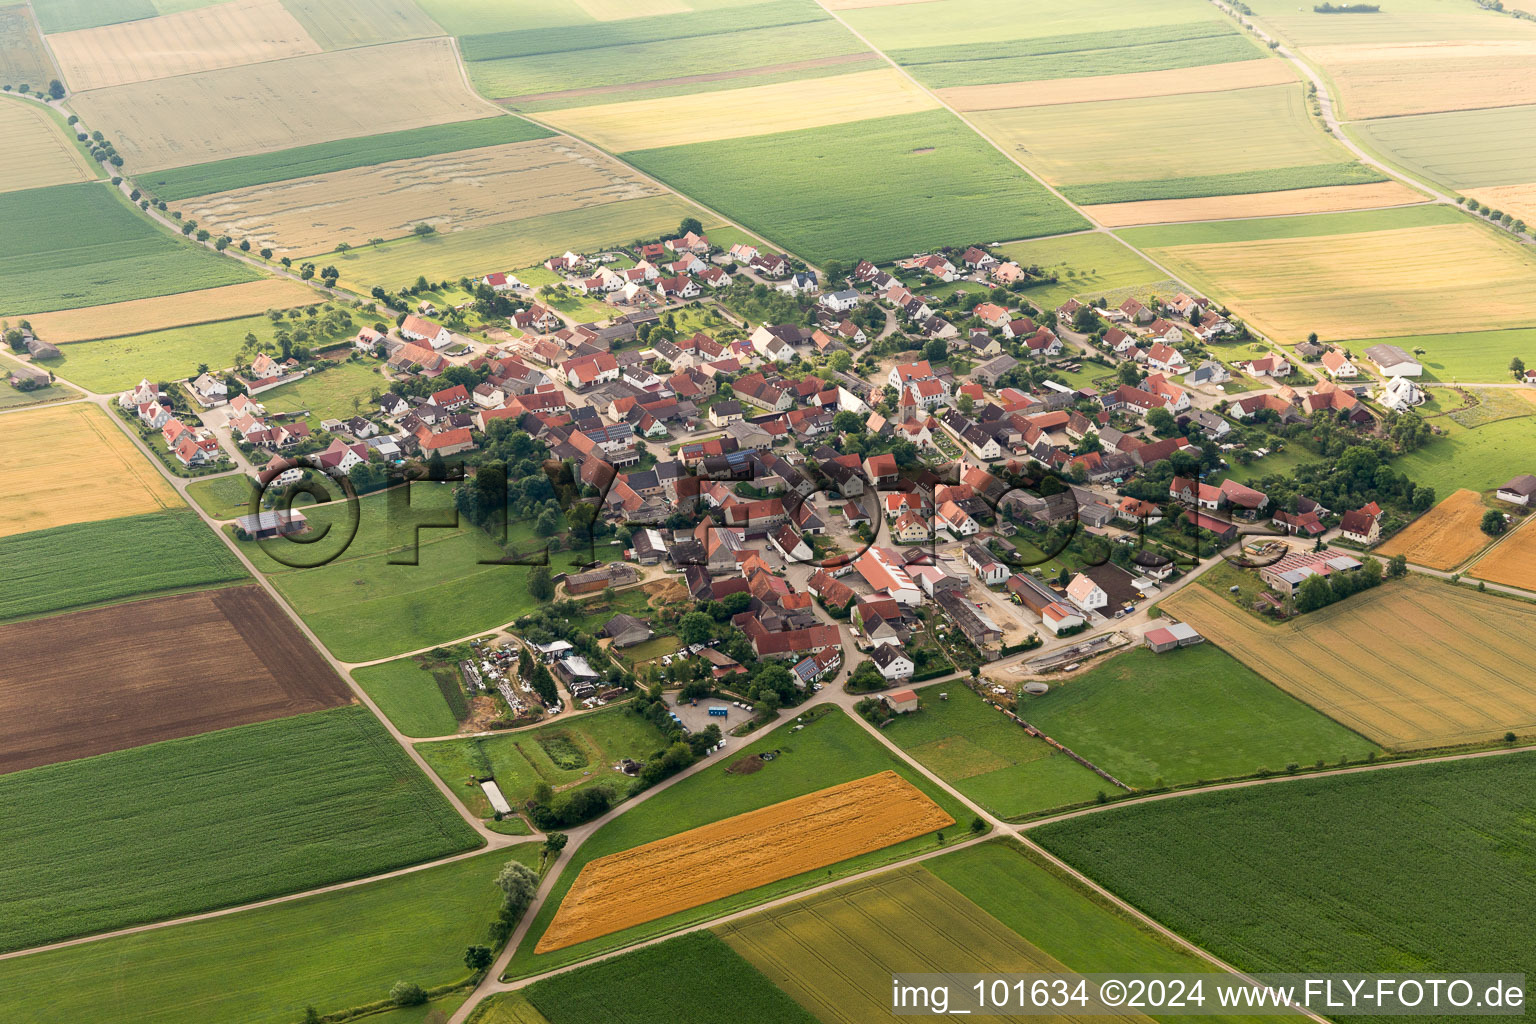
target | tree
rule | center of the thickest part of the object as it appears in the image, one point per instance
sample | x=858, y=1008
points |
x=519, y=884
x=548, y=523
x=1493, y=522
x=1085, y=320
x=343, y=246
x=1313, y=594
x=1161, y=420
x=422, y=230
x=306, y=271
x=695, y=628
x=935, y=350
x=539, y=585
x=555, y=842
x=408, y=993
x=978, y=825
x=1397, y=567
x=478, y=958
x=1128, y=374
x=688, y=224
x=1517, y=366
x=56, y=89
x=965, y=403
x=311, y=1015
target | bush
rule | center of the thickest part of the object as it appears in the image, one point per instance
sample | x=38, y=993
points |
x=407, y=993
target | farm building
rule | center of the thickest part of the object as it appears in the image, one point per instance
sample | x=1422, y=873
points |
x=601, y=579
x=1175, y=634
x=1393, y=361
x=626, y=630
x=273, y=523
x=1058, y=617
x=1287, y=574
x=1519, y=491
x=901, y=701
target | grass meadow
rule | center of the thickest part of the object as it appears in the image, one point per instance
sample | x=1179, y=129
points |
x=110, y=560
x=946, y=183
x=1330, y=873
x=989, y=758
x=327, y=157
x=707, y=982
x=339, y=392
x=1189, y=714
x=1086, y=264
x=227, y=817
x=78, y=245
x=333, y=951
x=1477, y=458
x=222, y=497
x=1481, y=356
x=831, y=749
x=408, y=695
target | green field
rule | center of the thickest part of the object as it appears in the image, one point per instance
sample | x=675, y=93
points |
x=23, y=61
x=327, y=157
x=902, y=28
x=337, y=24
x=1088, y=264
x=408, y=695
x=68, y=15
x=507, y=1008
x=569, y=754
x=223, y=818
x=832, y=749
x=223, y=497
x=1190, y=714
x=1160, y=236
x=1419, y=868
x=518, y=243
x=336, y=393
x=1481, y=356
x=1277, y=179
x=949, y=186
x=109, y=560
x=112, y=364
x=707, y=982
x=1480, y=458
x=989, y=758
x=333, y=951
x=1458, y=149
x=83, y=245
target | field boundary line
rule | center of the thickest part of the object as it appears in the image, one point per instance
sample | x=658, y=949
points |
x=1466, y=567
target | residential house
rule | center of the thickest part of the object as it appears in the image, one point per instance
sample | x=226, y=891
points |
x=414, y=328
x=1338, y=365
x=894, y=666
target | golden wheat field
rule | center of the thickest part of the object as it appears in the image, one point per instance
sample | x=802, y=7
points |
x=37, y=152
x=138, y=316
x=1465, y=677
x=740, y=853
x=736, y=113
x=281, y=104
x=1372, y=284
x=1325, y=199
x=71, y=464
x=223, y=36
x=1513, y=561
x=1443, y=537
x=1391, y=79
x=1136, y=85
x=452, y=192
x=1515, y=200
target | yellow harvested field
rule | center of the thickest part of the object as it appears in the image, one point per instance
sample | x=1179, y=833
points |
x=37, y=152
x=1513, y=561
x=1394, y=79
x=1443, y=537
x=138, y=316
x=1327, y=199
x=222, y=36
x=281, y=104
x=1365, y=285
x=856, y=5
x=740, y=853
x=71, y=464
x=1466, y=678
x=1210, y=78
x=1516, y=200
x=616, y=10
x=452, y=192
x=737, y=113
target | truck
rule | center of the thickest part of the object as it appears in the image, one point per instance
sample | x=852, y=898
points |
x=719, y=712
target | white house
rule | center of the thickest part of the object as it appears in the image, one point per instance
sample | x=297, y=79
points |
x=209, y=390
x=839, y=302
x=1087, y=594
x=1339, y=365
x=414, y=328
x=987, y=568
x=892, y=663
x=1401, y=394
x=1057, y=617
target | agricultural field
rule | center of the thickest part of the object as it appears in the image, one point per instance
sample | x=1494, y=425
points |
x=1445, y=536
x=1328, y=874
x=907, y=30
x=1465, y=149
x=329, y=157
x=728, y=857
x=139, y=316
x=1248, y=74
x=1396, y=79
x=831, y=749
x=707, y=983
x=230, y=34
x=751, y=111
x=23, y=60
x=1269, y=271
x=256, y=666
x=260, y=108
x=1087, y=265
x=453, y=192
x=113, y=364
x=1469, y=355
x=987, y=757
x=1285, y=203
x=947, y=182
x=1081, y=144
x=1478, y=459
x=908, y=920
x=338, y=392
x=573, y=753
x=515, y=243
x=333, y=951
x=1186, y=715
x=70, y=15
x=14, y=398
x=71, y=464
x=1462, y=680
x=408, y=694
x=111, y=559
x=1512, y=562
x=38, y=153
x=70, y=246
x=209, y=821
x=222, y=497
x=342, y=24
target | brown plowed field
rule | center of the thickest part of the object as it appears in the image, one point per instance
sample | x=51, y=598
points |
x=731, y=856
x=117, y=677
x=1445, y=536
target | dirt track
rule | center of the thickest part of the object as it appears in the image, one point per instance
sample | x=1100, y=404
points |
x=111, y=678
